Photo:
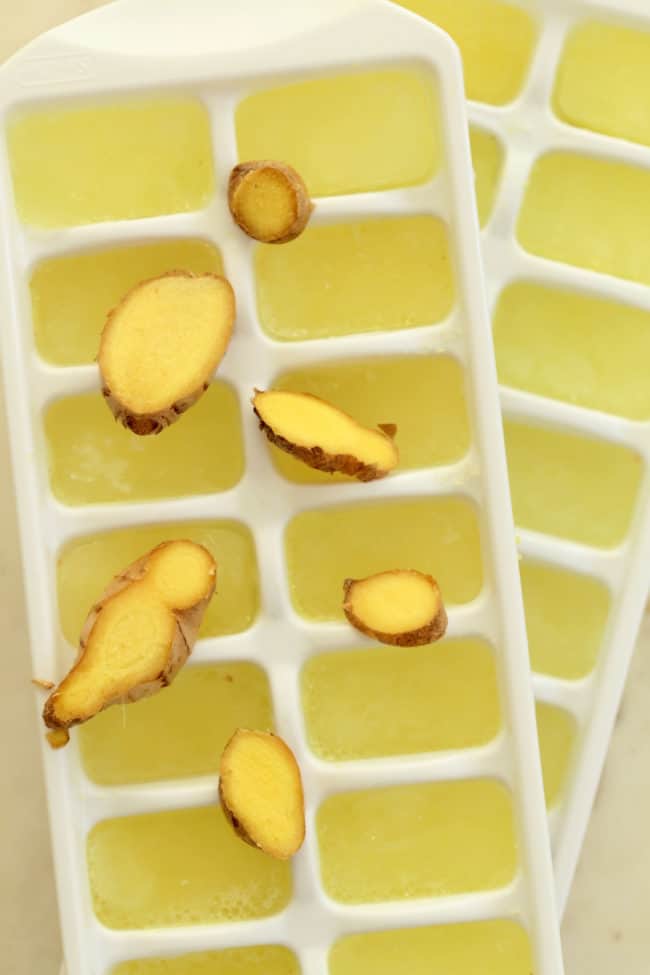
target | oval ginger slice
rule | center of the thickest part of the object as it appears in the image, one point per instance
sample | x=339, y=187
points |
x=260, y=788
x=269, y=201
x=402, y=607
x=160, y=346
x=137, y=637
x=322, y=436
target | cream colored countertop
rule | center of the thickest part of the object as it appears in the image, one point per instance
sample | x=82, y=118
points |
x=607, y=925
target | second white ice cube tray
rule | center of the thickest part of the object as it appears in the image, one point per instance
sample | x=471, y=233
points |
x=564, y=102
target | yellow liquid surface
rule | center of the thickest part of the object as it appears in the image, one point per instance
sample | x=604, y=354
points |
x=556, y=730
x=590, y=212
x=181, y=867
x=93, y=459
x=485, y=948
x=265, y=960
x=87, y=565
x=425, y=840
x=369, y=275
x=180, y=732
x=439, y=536
x=574, y=348
x=422, y=395
x=372, y=130
x=138, y=157
x=566, y=614
x=398, y=700
x=72, y=295
x=571, y=486
x=603, y=79
x=496, y=41
x=487, y=159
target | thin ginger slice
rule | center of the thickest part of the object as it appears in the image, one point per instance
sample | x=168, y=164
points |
x=402, y=607
x=137, y=637
x=260, y=788
x=160, y=346
x=322, y=436
x=269, y=201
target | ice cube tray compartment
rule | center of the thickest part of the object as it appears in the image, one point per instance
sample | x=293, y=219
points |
x=59, y=539
x=566, y=265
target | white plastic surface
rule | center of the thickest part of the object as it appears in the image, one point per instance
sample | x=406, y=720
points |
x=83, y=59
x=527, y=128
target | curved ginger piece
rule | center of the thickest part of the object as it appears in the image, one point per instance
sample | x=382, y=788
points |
x=324, y=437
x=260, y=788
x=402, y=607
x=160, y=346
x=137, y=637
x=269, y=201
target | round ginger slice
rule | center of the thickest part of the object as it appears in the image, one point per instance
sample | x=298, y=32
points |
x=401, y=607
x=160, y=346
x=269, y=201
x=137, y=637
x=260, y=788
x=324, y=437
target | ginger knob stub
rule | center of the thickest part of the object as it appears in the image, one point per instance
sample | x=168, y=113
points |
x=137, y=637
x=324, y=437
x=261, y=793
x=402, y=607
x=160, y=346
x=269, y=201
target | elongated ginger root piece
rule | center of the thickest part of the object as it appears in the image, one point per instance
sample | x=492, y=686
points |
x=402, y=607
x=269, y=201
x=260, y=788
x=137, y=637
x=160, y=346
x=324, y=437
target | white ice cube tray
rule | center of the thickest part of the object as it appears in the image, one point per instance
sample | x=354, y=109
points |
x=528, y=128
x=220, y=53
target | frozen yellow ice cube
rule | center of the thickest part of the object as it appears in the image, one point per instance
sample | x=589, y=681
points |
x=369, y=275
x=88, y=162
x=371, y=130
x=556, y=729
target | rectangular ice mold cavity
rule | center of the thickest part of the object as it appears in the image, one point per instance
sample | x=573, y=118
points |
x=571, y=327
x=212, y=56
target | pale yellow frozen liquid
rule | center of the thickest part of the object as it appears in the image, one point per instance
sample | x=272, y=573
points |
x=574, y=347
x=603, y=80
x=180, y=732
x=422, y=395
x=571, y=486
x=425, y=840
x=484, y=948
x=566, y=614
x=89, y=162
x=92, y=459
x=556, y=730
x=379, y=274
x=435, y=535
x=378, y=701
x=265, y=960
x=371, y=130
x=87, y=564
x=496, y=41
x=487, y=159
x=588, y=211
x=185, y=866
x=72, y=295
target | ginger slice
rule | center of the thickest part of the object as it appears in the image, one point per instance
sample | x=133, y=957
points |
x=137, y=637
x=322, y=436
x=160, y=346
x=269, y=201
x=260, y=788
x=402, y=607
